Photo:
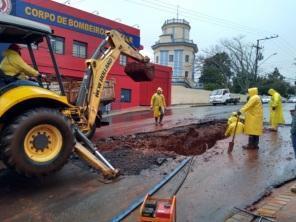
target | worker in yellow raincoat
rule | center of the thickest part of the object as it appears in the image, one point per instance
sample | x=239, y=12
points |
x=13, y=67
x=253, y=112
x=158, y=106
x=276, y=109
x=232, y=124
x=231, y=118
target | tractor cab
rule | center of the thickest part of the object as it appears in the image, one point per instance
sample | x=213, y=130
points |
x=28, y=33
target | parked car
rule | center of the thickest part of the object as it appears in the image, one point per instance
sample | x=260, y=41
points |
x=265, y=99
x=292, y=99
x=223, y=96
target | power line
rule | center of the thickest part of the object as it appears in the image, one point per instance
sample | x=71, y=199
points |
x=208, y=18
x=193, y=15
x=290, y=47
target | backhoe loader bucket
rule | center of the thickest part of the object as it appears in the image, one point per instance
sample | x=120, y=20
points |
x=140, y=72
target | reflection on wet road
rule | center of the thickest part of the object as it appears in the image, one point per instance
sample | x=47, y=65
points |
x=200, y=112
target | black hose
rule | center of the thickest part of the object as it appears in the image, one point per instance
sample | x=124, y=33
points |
x=186, y=175
x=135, y=204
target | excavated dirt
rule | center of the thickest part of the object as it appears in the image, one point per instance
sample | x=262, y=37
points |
x=133, y=153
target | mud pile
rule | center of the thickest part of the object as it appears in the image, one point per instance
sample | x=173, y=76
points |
x=140, y=151
x=132, y=162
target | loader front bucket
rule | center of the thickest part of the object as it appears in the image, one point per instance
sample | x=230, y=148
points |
x=140, y=72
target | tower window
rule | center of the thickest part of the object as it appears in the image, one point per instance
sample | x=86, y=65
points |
x=187, y=58
x=186, y=74
x=164, y=57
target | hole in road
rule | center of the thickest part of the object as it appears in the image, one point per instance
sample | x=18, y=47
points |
x=133, y=153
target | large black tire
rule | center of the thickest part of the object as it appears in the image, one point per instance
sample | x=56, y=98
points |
x=15, y=137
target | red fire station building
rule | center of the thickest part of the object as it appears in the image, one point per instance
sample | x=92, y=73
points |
x=76, y=35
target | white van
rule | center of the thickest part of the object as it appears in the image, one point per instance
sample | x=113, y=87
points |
x=223, y=96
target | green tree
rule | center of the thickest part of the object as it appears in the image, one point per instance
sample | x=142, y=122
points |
x=276, y=81
x=216, y=72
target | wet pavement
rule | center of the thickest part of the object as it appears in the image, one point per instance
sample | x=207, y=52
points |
x=217, y=184
x=142, y=121
x=220, y=181
x=237, y=180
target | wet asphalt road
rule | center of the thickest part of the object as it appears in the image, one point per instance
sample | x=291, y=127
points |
x=219, y=111
x=142, y=121
x=239, y=179
x=218, y=181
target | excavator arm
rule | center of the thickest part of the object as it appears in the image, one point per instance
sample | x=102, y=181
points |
x=98, y=68
x=90, y=94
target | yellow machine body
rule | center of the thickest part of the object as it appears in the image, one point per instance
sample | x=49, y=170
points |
x=44, y=142
x=22, y=94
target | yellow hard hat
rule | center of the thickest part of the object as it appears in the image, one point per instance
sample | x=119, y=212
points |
x=159, y=89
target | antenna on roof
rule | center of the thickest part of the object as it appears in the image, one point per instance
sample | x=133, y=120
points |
x=96, y=12
x=68, y=2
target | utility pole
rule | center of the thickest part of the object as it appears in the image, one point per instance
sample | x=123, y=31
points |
x=257, y=51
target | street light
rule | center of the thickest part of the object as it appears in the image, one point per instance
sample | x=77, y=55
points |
x=258, y=48
x=268, y=58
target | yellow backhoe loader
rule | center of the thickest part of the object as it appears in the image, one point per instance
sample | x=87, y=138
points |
x=39, y=128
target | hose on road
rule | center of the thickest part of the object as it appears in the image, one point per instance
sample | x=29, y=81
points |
x=136, y=203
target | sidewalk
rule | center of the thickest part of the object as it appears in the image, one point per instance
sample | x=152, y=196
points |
x=280, y=205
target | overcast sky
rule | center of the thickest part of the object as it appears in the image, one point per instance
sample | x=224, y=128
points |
x=211, y=21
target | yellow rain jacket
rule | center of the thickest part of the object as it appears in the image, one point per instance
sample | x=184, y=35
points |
x=276, y=116
x=231, y=127
x=253, y=112
x=13, y=65
x=231, y=118
x=157, y=104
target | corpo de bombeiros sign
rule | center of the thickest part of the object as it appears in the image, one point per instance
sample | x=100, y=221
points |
x=5, y=6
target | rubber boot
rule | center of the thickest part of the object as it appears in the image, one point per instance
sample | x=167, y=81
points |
x=156, y=121
x=160, y=120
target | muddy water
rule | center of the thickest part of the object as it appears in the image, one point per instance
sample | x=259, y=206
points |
x=133, y=153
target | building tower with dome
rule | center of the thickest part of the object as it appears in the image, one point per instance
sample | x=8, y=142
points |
x=175, y=49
